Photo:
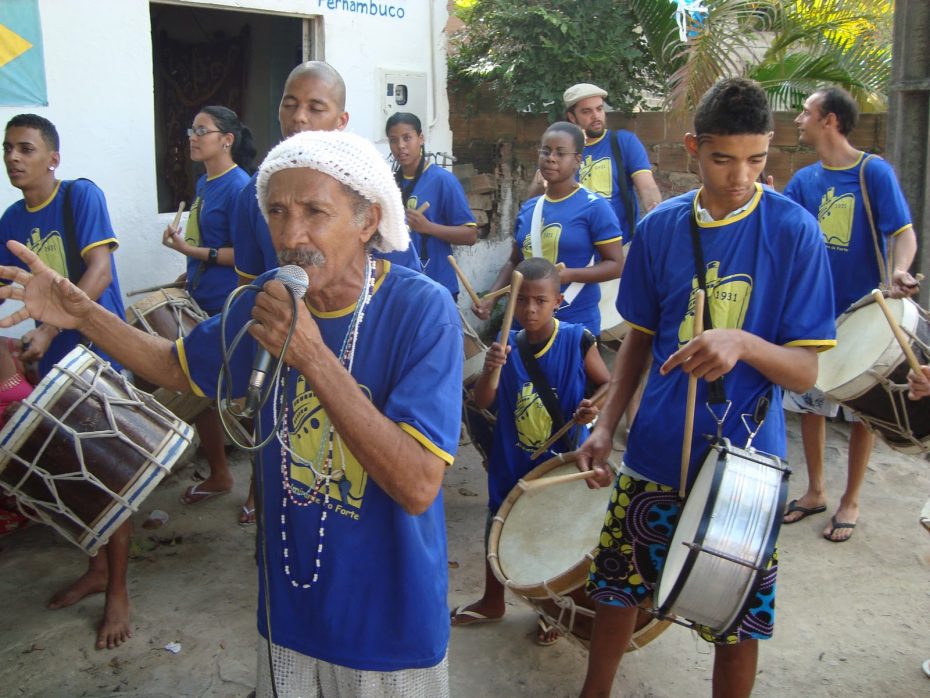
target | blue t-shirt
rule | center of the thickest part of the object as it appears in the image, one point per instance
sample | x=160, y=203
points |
x=42, y=230
x=767, y=273
x=523, y=423
x=252, y=247
x=380, y=601
x=834, y=197
x=447, y=206
x=572, y=228
x=210, y=225
x=600, y=174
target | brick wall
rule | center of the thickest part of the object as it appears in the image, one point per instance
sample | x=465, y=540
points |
x=503, y=147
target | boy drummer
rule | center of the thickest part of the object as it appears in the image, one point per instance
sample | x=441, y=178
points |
x=770, y=303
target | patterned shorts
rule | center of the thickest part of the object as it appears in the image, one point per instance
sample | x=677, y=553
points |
x=637, y=531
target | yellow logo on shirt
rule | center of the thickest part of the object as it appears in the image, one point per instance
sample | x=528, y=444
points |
x=534, y=425
x=310, y=440
x=192, y=229
x=728, y=298
x=50, y=249
x=597, y=175
x=549, y=236
x=836, y=218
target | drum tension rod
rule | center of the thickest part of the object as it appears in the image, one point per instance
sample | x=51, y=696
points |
x=717, y=553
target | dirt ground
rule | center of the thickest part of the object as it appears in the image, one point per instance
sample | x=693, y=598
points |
x=852, y=618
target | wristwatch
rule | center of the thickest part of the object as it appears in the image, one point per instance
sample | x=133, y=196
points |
x=211, y=257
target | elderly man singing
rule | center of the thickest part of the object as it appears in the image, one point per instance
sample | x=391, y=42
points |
x=352, y=556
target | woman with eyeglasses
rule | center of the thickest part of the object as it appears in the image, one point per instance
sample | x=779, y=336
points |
x=224, y=145
x=576, y=227
x=437, y=210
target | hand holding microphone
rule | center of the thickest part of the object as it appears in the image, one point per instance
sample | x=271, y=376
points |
x=295, y=280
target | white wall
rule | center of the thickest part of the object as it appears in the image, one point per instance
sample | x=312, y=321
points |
x=98, y=66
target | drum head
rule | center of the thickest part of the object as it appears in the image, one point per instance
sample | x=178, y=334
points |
x=863, y=340
x=548, y=534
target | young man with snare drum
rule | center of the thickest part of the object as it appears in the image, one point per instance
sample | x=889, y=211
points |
x=771, y=305
x=831, y=190
x=66, y=223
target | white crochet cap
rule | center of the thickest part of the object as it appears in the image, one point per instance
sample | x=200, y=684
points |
x=348, y=159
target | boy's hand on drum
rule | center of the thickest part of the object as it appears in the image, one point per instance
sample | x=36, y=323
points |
x=593, y=455
x=495, y=357
x=585, y=412
x=46, y=295
x=918, y=384
x=903, y=285
x=709, y=356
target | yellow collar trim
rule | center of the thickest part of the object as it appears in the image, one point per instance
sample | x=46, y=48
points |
x=747, y=208
x=210, y=179
x=549, y=343
x=342, y=312
x=837, y=169
x=425, y=168
x=47, y=201
x=567, y=196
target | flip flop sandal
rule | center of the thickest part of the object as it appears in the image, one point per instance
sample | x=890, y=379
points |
x=546, y=634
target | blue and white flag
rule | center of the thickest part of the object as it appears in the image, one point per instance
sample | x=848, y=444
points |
x=22, y=65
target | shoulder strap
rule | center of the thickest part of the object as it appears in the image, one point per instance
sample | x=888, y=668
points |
x=536, y=227
x=73, y=258
x=716, y=394
x=882, y=261
x=621, y=181
x=544, y=390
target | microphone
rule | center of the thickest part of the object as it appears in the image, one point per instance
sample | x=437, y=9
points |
x=295, y=280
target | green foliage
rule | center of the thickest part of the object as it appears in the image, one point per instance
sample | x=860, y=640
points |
x=526, y=52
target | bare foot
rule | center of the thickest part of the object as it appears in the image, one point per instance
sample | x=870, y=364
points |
x=803, y=507
x=91, y=582
x=114, y=629
x=480, y=611
x=842, y=524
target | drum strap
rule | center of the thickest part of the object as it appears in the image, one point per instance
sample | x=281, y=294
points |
x=545, y=391
x=882, y=262
x=406, y=191
x=716, y=395
x=76, y=265
x=624, y=186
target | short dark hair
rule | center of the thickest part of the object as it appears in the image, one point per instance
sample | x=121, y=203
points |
x=733, y=107
x=325, y=73
x=537, y=269
x=40, y=124
x=837, y=101
x=404, y=117
x=243, y=147
x=573, y=130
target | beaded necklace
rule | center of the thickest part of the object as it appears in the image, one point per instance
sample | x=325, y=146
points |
x=321, y=467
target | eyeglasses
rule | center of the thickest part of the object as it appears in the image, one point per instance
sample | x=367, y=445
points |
x=200, y=131
x=546, y=152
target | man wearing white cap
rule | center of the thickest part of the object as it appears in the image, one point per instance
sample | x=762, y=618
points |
x=614, y=163
x=352, y=556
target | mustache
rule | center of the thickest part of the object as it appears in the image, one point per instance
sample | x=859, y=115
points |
x=301, y=257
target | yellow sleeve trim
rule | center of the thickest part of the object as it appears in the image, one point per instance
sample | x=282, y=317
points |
x=471, y=225
x=427, y=444
x=244, y=275
x=819, y=344
x=619, y=238
x=641, y=172
x=901, y=230
x=114, y=245
x=651, y=333
x=182, y=358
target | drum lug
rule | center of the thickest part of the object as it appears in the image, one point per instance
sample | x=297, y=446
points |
x=722, y=555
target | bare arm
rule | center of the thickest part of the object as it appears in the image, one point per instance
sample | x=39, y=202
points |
x=648, y=190
x=483, y=392
x=596, y=371
x=409, y=473
x=483, y=311
x=173, y=238
x=610, y=266
x=715, y=353
x=453, y=234
x=903, y=251
x=52, y=299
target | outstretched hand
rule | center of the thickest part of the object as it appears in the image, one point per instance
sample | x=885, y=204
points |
x=46, y=295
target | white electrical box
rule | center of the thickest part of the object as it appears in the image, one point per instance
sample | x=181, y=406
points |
x=403, y=91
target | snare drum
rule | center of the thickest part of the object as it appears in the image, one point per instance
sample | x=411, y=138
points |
x=541, y=546
x=478, y=423
x=724, y=539
x=867, y=371
x=85, y=449
x=170, y=313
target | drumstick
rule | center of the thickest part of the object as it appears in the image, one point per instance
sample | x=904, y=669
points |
x=898, y=332
x=556, y=480
x=465, y=282
x=422, y=208
x=698, y=328
x=504, y=290
x=177, y=216
x=597, y=400
x=159, y=287
x=515, y=280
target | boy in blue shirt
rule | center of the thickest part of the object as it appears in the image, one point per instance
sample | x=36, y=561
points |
x=568, y=359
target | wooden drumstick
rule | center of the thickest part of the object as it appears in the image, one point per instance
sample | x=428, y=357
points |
x=504, y=290
x=515, y=280
x=177, y=216
x=423, y=208
x=556, y=480
x=597, y=400
x=465, y=282
x=698, y=328
x=159, y=287
x=897, y=332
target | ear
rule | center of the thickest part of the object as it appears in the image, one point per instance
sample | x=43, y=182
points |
x=55, y=159
x=570, y=115
x=691, y=144
x=371, y=223
x=343, y=121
